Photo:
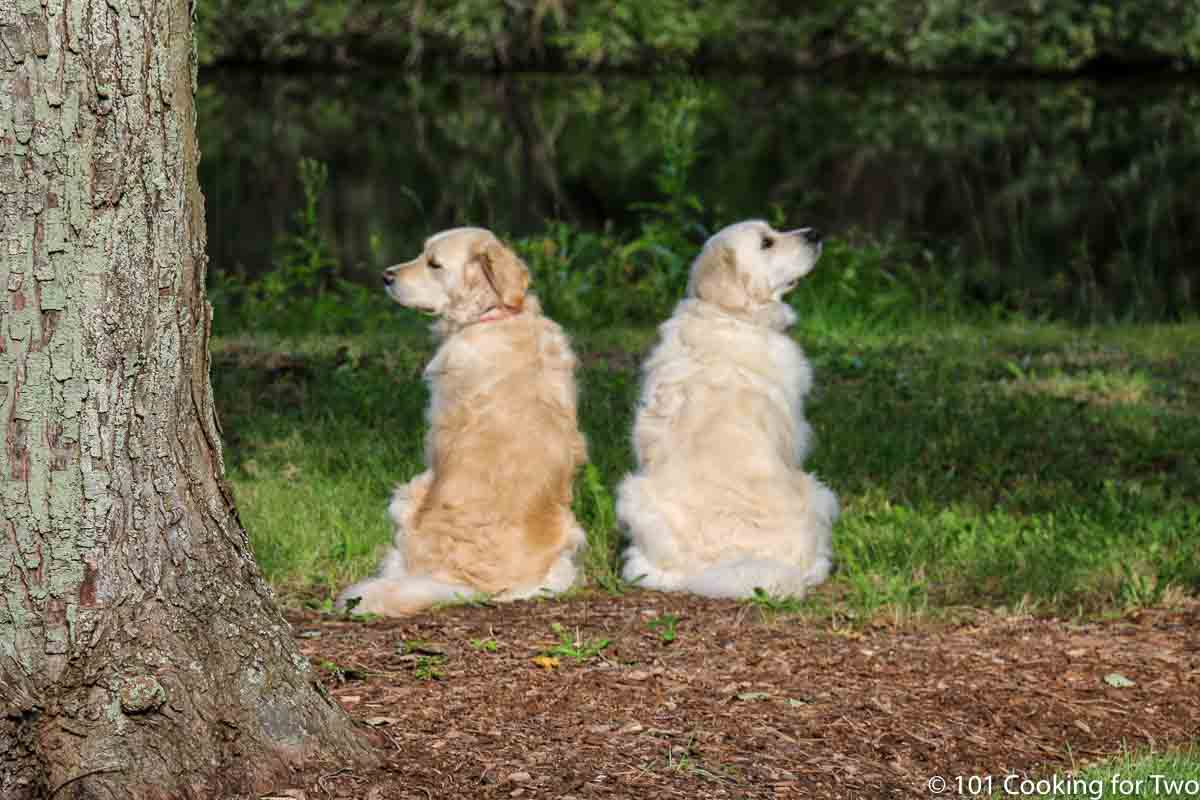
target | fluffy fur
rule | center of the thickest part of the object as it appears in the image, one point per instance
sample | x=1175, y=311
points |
x=492, y=511
x=719, y=505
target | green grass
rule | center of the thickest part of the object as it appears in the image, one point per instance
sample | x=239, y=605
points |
x=1161, y=776
x=1017, y=464
x=485, y=645
x=571, y=645
x=429, y=668
x=665, y=626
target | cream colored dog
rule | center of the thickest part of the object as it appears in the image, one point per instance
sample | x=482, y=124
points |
x=492, y=513
x=719, y=505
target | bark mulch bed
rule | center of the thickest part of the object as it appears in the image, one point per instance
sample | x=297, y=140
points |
x=738, y=706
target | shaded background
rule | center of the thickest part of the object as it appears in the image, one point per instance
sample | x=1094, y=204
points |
x=1083, y=192
x=1044, y=154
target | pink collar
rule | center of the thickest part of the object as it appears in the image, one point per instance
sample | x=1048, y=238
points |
x=497, y=313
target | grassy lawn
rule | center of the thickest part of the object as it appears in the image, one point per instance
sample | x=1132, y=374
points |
x=1012, y=465
x=1028, y=466
x=984, y=459
x=1163, y=776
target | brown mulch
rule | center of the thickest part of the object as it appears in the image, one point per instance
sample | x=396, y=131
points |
x=739, y=706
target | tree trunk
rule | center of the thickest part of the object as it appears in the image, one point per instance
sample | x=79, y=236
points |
x=141, y=654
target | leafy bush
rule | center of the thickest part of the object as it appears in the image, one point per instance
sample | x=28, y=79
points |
x=589, y=279
x=588, y=34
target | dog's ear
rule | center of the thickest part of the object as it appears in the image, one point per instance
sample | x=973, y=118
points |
x=715, y=279
x=506, y=272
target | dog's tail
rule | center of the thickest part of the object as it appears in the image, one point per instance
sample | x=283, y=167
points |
x=742, y=578
x=642, y=517
x=393, y=591
x=649, y=527
x=398, y=596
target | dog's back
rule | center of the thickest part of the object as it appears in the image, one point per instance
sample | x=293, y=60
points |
x=503, y=448
x=492, y=511
x=719, y=505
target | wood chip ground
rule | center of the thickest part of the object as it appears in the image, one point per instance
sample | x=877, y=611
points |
x=738, y=706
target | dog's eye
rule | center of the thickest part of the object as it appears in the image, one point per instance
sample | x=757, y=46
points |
x=767, y=243
x=434, y=264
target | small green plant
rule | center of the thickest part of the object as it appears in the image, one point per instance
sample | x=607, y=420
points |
x=1139, y=590
x=572, y=646
x=325, y=604
x=775, y=604
x=341, y=674
x=419, y=646
x=679, y=759
x=348, y=611
x=488, y=645
x=429, y=668
x=683, y=758
x=665, y=625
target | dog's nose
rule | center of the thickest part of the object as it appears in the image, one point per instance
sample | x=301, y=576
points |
x=387, y=277
x=812, y=235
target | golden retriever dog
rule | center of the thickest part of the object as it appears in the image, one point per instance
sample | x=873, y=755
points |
x=492, y=512
x=719, y=505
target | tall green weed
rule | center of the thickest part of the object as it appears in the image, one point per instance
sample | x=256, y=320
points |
x=303, y=291
x=597, y=279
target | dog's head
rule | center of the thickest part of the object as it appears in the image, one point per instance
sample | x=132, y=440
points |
x=748, y=266
x=463, y=275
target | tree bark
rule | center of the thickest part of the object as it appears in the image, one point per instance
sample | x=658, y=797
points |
x=141, y=653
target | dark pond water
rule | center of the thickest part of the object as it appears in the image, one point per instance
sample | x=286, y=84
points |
x=1084, y=195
